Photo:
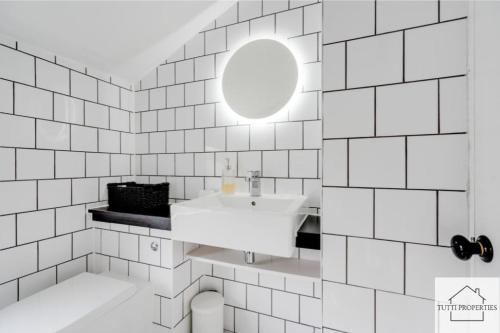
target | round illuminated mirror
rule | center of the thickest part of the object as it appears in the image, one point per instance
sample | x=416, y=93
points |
x=260, y=78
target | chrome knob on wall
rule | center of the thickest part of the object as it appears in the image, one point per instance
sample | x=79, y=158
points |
x=154, y=246
x=464, y=249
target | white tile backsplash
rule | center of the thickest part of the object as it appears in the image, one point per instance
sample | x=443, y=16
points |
x=347, y=20
x=35, y=226
x=96, y=115
x=204, y=67
x=108, y=94
x=54, y=251
x=259, y=299
x=424, y=263
x=70, y=219
x=385, y=158
x=83, y=138
x=436, y=50
x=16, y=131
x=34, y=164
x=18, y=261
x=310, y=312
x=54, y=193
x=18, y=197
x=285, y=305
x=83, y=86
x=268, y=324
x=406, y=215
x=452, y=215
x=376, y=60
x=157, y=98
x=289, y=135
x=235, y=294
x=356, y=315
x=8, y=231
x=396, y=15
x=195, y=93
x=215, y=40
x=33, y=102
x=8, y=293
x=334, y=258
x=349, y=113
x=375, y=264
x=450, y=9
x=410, y=108
x=246, y=321
x=348, y=211
x=389, y=303
x=17, y=66
x=52, y=135
x=334, y=67
x=6, y=96
x=453, y=105
x=438, y=162
x=187, y=158
x=289, y=23
x=34, y=283
x=68, y=109
x=393, y=177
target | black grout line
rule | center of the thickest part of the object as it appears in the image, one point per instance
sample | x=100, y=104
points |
x=238, y=152
x=437, y=217
x=404, y=56
x=348, y=162
x=374, y=213
x=395, y=31
x=439, y=106
x=404, y=268
x=432, y=243
x=345, y=67
x=375, y=111
x=406, y=162
x=394, y=83
x=439, y=10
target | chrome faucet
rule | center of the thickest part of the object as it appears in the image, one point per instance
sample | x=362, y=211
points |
x=253, y=178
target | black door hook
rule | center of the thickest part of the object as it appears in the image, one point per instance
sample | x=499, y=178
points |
x=465, y=249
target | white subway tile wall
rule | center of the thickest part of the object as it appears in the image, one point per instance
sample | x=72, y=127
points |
x=128, y=250
x=394, y=134
x=194, y=120
x=186, y=139
x=394, y=160
x=50, y=144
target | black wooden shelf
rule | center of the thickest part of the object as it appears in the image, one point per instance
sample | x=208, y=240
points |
x=308, y=236
x=102, y=214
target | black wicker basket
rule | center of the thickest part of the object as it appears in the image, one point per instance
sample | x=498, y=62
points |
x=146, y=199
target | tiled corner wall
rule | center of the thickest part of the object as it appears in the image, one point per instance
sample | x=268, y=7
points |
x=128, y=250
x=255, y=301
x=263, y=302
x=394, y=161
x=64, y=134
x=184, y=132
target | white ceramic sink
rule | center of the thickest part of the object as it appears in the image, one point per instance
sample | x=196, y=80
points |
x=266, y=224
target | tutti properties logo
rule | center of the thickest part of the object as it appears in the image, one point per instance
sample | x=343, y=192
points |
x=467, y=305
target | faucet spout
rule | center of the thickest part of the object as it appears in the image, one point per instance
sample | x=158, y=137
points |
x=253, y=178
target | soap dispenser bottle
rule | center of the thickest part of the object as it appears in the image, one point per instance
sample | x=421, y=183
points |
x=228, y=185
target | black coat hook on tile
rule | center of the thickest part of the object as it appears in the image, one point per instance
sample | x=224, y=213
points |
x=464, y=249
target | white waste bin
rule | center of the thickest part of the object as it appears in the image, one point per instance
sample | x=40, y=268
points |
x=208, y=312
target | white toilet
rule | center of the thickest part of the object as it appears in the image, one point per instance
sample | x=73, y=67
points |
x=86, y=303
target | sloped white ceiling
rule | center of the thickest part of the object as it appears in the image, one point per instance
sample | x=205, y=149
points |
x=123, y=38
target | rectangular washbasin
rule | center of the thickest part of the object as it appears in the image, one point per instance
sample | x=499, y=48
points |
x=267, y=224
